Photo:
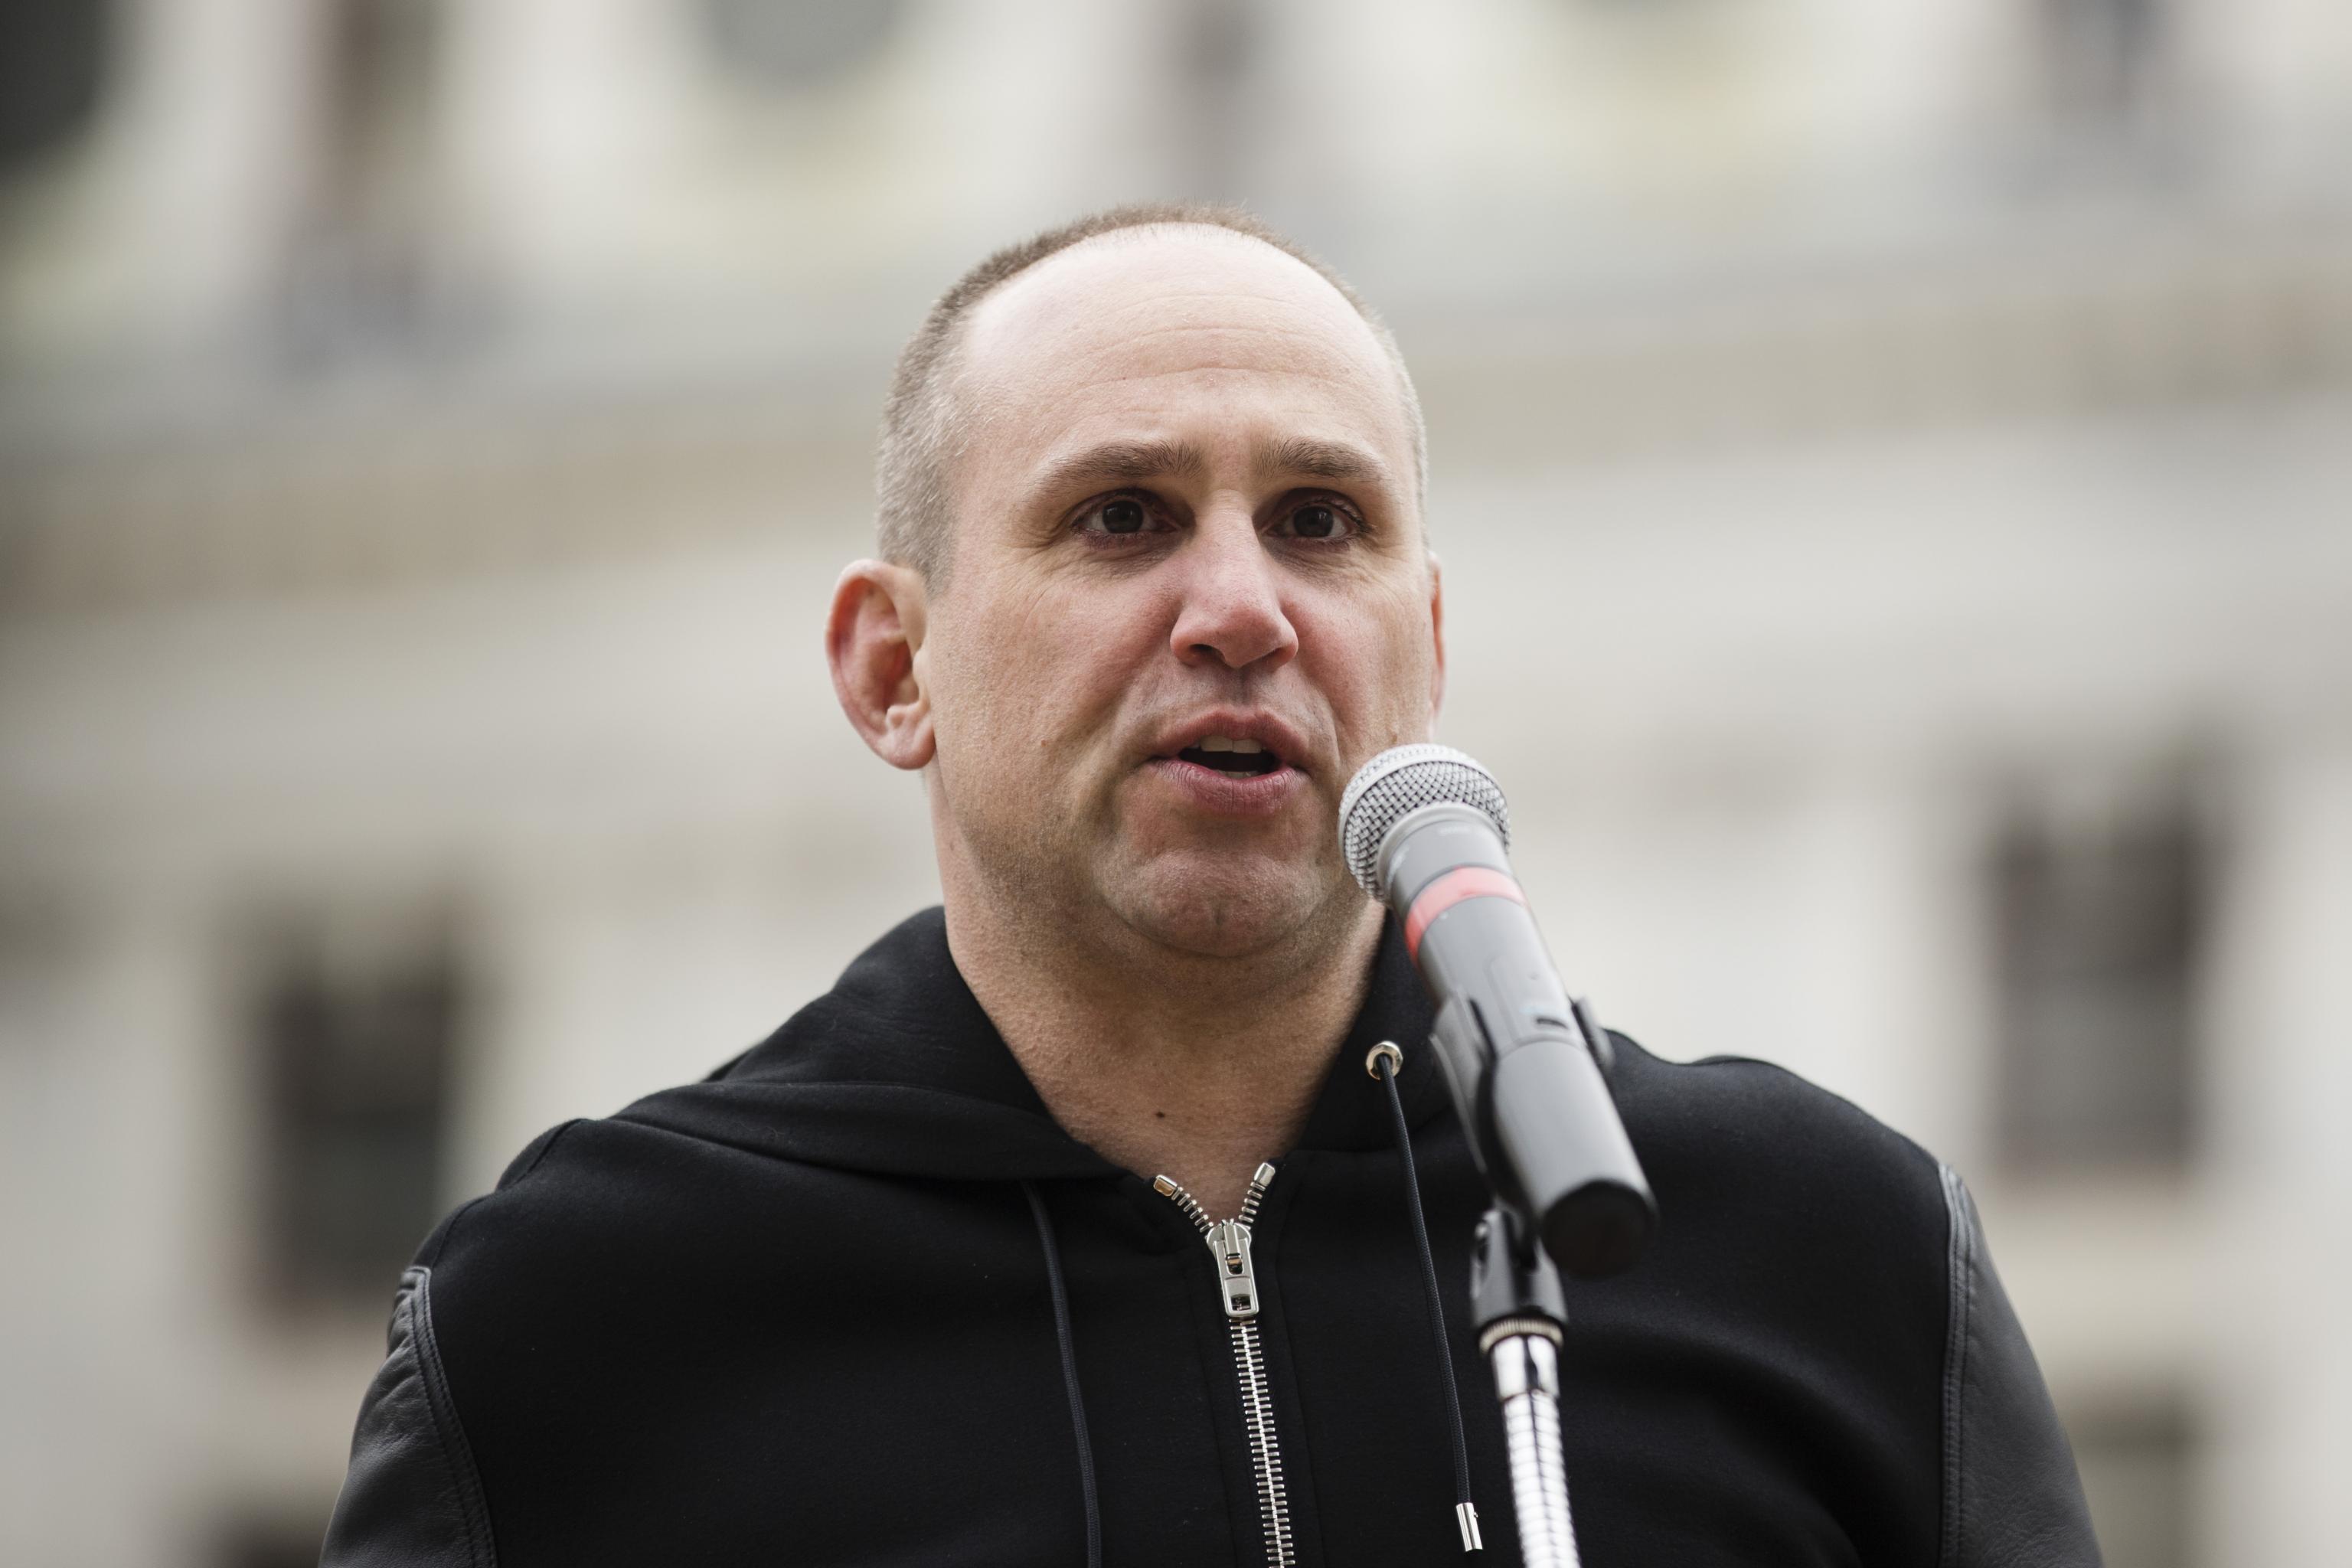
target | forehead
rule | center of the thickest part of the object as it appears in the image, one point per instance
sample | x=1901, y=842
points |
x=1140, y=328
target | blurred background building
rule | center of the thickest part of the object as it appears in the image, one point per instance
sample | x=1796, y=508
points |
x=1893, y=464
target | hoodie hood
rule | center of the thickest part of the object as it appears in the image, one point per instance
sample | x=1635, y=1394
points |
x=898, y=1071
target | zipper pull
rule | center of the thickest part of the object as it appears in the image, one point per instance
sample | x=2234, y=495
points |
x=1229, y=1244
x=1228, y=1239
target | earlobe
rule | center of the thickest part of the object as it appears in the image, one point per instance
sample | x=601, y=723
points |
x=871, y=637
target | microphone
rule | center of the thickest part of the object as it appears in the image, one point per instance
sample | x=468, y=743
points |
x=1425, y=830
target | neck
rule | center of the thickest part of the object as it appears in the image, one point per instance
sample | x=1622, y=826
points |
x=1170, y=1063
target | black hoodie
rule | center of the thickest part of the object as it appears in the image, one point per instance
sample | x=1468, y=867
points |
x=805, y=1312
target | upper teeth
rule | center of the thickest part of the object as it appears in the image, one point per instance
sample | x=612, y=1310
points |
x=1227, y=743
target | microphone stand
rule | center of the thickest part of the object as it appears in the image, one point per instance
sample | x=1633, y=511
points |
x=1516, y=1300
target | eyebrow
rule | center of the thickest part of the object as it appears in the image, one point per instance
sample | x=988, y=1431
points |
x=1331, y=460
x=1132, y=462
x=1123, y=463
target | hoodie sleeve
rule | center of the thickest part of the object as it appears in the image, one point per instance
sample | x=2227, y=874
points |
x=412, y=1496
x=2011, y=1498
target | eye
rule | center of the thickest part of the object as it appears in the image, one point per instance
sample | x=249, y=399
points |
x=1322, y=519
x=1118, y=517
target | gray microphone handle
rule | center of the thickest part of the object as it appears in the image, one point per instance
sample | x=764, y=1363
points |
x=1521, y=1059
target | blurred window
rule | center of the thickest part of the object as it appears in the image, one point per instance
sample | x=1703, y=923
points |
x=2138, y=1463
x=359, y=1032
x=796, y=43
x=2099, y=901
x=358, y=279
x=2103, y=61
x=1218, y=49
x=268, y=1540
x=52, y=54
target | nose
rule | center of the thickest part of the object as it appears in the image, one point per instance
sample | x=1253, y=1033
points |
x=1231, y=611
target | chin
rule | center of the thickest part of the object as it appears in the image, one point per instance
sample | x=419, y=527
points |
x=1224, y=907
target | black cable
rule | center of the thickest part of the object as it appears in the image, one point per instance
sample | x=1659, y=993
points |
x=1387, y=1071
x=1070, y=1369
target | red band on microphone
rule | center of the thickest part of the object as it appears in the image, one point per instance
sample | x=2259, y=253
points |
x=1462, y=882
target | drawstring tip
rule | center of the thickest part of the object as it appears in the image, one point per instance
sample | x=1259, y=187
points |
x=1466, y=1516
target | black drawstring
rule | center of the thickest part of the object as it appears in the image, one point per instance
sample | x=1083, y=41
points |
x=1382, y=1064
x=1070, y=1371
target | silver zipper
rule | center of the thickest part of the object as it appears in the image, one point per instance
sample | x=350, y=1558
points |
x=1229, y=1244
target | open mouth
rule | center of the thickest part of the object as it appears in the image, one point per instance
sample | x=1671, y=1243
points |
x=1244, y=759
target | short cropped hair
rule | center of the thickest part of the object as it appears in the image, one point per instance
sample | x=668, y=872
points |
x=922, y=429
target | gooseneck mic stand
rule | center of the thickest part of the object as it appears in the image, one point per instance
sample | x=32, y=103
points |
x=1425, y=831
x=1516, y=1300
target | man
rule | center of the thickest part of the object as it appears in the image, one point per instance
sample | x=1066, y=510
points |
x=897, y=1286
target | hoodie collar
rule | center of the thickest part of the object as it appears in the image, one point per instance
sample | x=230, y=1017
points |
x=898, y=1070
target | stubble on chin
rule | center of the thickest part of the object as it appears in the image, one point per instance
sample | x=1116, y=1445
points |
x=1198, y=906
x=1078, y=885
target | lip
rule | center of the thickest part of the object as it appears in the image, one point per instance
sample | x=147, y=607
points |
x=1242, y=724
x=1231, y=794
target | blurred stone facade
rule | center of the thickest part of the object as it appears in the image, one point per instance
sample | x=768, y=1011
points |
x=1893, y=467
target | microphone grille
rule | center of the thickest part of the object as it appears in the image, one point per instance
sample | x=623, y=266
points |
x=1401, y=780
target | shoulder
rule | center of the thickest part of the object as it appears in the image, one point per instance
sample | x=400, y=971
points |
x=508, y=1329
x=591, y=1203
x=1841, y=1249
x=1811, y=1221
x=1731, y=1123
x=610, y=1254
x=584, y=1181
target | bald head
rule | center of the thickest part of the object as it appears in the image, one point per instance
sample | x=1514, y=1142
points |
x=1083, y=290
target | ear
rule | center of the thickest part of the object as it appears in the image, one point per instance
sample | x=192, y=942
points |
x=871, y=638
x=1436, y=638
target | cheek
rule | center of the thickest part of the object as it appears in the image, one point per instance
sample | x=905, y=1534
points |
x=1374, y=658
x=1038, y=669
